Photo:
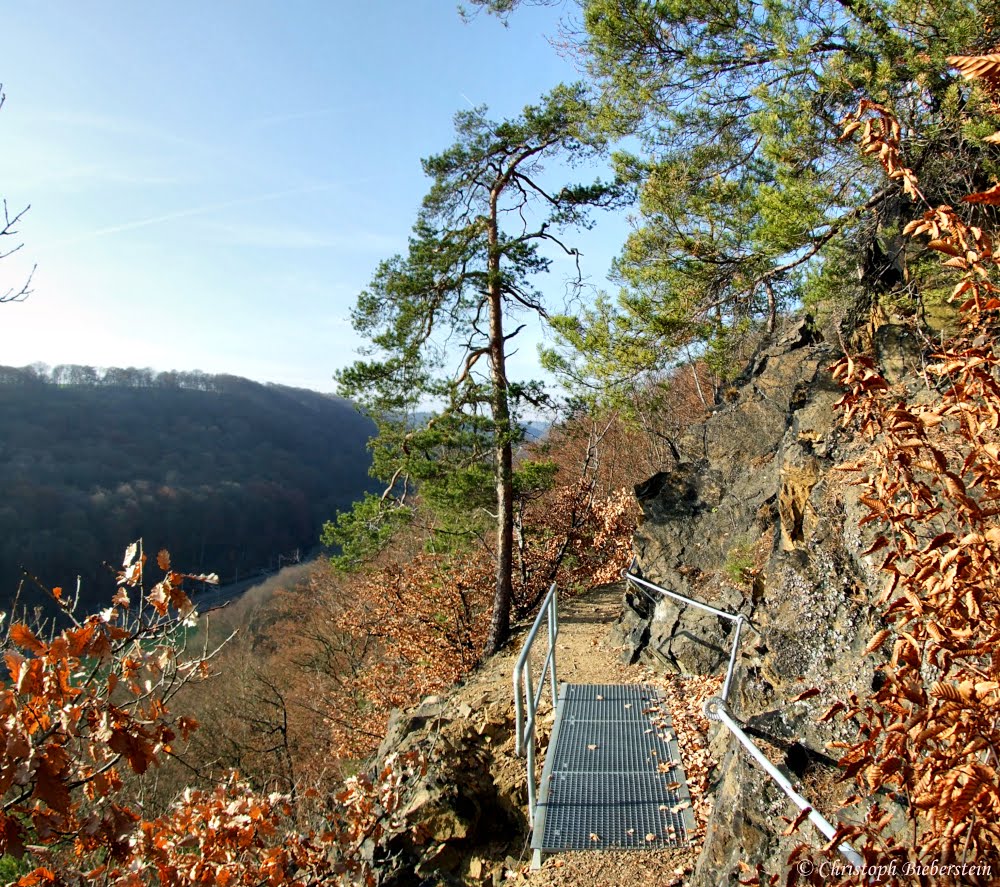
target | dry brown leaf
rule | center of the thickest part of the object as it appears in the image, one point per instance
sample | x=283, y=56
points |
x=990, y=196
x=977, y=67
x=877, y=640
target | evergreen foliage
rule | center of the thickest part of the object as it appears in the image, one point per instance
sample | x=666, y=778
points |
x=439, y=318
x=746, y=188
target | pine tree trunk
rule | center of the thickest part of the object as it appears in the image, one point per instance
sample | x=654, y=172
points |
x=504, y=594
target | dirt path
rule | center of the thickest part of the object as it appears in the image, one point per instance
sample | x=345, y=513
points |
x=585, y=654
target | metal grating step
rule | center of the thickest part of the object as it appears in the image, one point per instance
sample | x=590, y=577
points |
x=583, y=693
x=610, y=709
x=618, y=746
x=630, y=810
x=612, y=775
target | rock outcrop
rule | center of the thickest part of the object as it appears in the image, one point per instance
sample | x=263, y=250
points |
x=756, y=519
x=469, y=807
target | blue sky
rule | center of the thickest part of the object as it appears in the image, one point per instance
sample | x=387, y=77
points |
x=211, y=184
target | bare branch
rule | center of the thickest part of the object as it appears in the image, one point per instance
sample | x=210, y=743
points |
x=14, y=294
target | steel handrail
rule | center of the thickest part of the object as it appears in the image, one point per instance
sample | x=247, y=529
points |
x=631, y=577
x=717, y=709
x=738, y=619
x=524, y=737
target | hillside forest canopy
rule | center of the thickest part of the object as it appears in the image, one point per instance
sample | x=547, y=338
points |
x=227, y=473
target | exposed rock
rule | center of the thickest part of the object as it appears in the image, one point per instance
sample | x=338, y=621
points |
x=471, y=799
x=800, y=472
x=754, y=520
x=898, y=351
x=403, y=723
x=434, y=814
x=442, y=858
x=631, y=631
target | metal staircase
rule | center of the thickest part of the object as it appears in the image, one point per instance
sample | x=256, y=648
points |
x=612, y=777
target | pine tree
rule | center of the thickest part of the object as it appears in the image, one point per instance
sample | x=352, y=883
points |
x=745, y=185
x=469, y=275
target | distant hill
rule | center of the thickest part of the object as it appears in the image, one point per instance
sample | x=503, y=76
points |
x=224, y=472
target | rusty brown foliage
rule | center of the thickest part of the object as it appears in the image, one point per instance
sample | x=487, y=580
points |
x=927, y=741
x=415, y=622
x=89, y=708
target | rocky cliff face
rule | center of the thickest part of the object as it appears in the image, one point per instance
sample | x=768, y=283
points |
x=757, y=519
x=468, y=808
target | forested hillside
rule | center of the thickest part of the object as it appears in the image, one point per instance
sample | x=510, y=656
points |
x=227, y=473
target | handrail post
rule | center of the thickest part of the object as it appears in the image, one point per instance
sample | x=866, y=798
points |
x=530, y=767
x=529, y=695
x=518, y=715
x=553, y=632
x=526, y=706
x=727, y=685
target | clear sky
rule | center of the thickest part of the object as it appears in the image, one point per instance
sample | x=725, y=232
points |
x=212, y=183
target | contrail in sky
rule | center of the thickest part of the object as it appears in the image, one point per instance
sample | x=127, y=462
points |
x=192, y=211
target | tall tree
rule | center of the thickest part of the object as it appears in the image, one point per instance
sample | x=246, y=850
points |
x=746, y=187
x=436, y=316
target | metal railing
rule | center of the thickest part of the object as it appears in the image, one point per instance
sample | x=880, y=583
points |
x=738, y=619
x=717, y=709
x=524, y=740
